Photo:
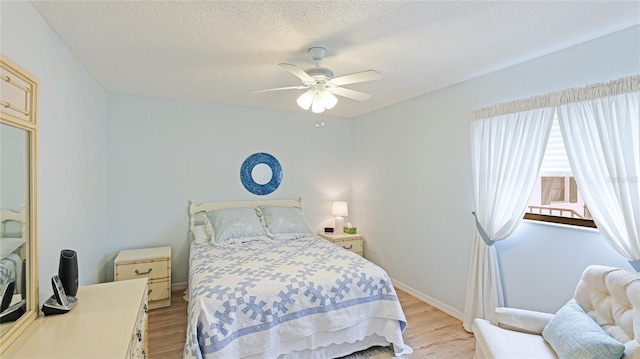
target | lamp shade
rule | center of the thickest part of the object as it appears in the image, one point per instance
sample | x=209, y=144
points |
x=339, y=209
x=317, y=106
x=329, y=100
x=305, y=100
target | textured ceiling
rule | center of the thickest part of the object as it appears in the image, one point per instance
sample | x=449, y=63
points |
x=218, y=51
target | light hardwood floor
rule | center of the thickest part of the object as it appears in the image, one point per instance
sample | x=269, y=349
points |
x=430, y=332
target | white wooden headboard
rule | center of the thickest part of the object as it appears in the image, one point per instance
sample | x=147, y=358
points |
x=195, y=208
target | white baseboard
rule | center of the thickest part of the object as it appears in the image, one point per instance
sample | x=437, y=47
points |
x=429, y=300
x=179, y=286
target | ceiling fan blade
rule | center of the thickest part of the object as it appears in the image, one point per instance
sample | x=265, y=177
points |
x=356, y=95
x=363, y=76
x=282, y=88
x=296, y=71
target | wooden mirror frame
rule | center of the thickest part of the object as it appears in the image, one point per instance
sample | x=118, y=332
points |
x=23, y=115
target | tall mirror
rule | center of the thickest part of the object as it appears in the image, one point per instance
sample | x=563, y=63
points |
x=18, y=201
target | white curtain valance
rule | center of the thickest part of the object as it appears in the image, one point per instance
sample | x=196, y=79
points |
x=591, y=92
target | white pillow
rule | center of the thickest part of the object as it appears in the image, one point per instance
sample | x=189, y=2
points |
x=208, y=227
x=9, y=245
x=282, y=222
x=200, y=234
x=235, y=225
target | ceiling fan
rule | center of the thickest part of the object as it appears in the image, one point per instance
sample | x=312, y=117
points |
x=321, y=86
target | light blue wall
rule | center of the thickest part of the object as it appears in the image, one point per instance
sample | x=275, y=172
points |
x=72, y=141
x=162, y=153
x=411, y=183
x=543, y=262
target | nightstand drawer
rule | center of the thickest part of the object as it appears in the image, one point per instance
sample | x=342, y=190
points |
x=350, y=242
x=152, y=269
x=352, y=245
x=159, y=289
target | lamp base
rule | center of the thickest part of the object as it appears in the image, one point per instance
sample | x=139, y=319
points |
x=339, y=225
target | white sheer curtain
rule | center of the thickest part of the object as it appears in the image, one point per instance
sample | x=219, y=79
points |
x=507, y=144
x=601, y=131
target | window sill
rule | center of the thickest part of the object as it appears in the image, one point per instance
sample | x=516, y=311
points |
x=562, y=225
x=577, y=222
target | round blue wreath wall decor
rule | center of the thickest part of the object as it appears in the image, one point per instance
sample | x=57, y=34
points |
x=247, y=172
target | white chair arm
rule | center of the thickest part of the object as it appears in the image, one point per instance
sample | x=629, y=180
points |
x=521, y=320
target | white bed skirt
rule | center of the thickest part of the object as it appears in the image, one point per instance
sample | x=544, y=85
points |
x=368, y=333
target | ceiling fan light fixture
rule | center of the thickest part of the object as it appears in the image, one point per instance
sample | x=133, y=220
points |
x=329, y=100
x=305, y=100
x=317, y=106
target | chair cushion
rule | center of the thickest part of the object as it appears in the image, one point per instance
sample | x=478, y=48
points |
x=493, y=342
x=572, y=333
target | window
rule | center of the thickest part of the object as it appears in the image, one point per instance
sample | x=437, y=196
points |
x=555, y=197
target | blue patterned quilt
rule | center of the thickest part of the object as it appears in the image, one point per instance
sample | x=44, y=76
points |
x=245, y=298
x=9, y=270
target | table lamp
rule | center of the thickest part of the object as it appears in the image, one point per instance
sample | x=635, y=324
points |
x=339, y=209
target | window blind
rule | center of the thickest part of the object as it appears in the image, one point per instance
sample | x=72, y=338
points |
x=555, y=161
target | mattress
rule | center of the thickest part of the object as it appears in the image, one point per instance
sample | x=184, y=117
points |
x=302, y=298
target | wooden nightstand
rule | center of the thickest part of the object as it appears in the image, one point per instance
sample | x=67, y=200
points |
x=151, y=263
x=351, y=242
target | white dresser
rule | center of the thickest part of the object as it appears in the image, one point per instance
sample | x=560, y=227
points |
x=108, y=321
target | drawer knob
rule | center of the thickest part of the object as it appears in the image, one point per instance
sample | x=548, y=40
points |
x=146, y=309
x=350, y=246
x=139, y=335
x=9, y=106
x=9, y=80
x=149, y=292
x=143, y=273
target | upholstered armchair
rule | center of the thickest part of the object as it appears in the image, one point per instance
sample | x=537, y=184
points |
x=601, y=321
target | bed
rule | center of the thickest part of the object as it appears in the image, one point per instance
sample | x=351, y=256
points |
x=12, y=231
x=10, y=271
x=267, y=287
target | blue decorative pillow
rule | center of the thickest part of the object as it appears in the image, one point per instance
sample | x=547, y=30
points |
x=235, y=225
x=282, y=222
x=572, y=333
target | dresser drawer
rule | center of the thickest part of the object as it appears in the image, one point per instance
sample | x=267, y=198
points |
x=139, y=337
x=152, y=269
x=17, y=94
x=352, y=245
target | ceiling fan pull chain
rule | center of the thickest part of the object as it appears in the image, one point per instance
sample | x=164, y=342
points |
x=319, y=124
